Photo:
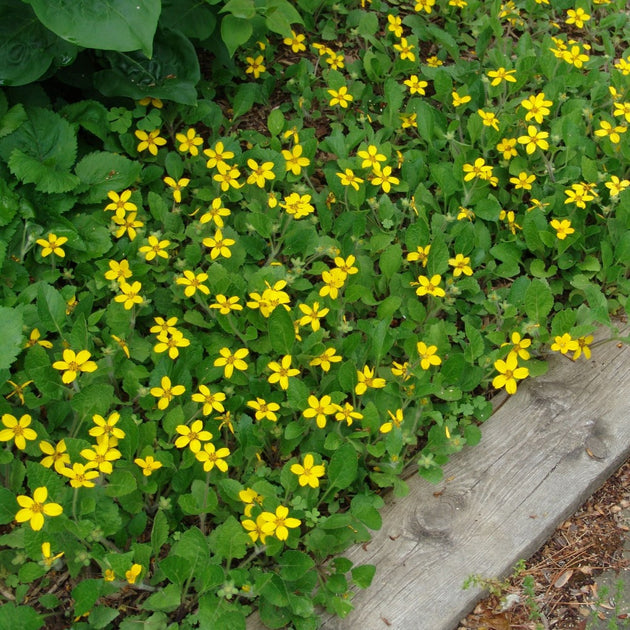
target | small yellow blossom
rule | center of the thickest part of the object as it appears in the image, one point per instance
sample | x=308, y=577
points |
x=229, y=362
x=148, y=465
x=319, y=408
x=129, y=295
x=210, y=457
x=458, y=100
x=150, y=141
x=34, y=509
x=501, y=74
x=264, y=410
x=509, y=373
x=428, y=356
x=308, y=472
x=563, y=228
x=52, y=245
x=189, y=142
x=430, y=286
x=211, y=401
x=461, y=265
x=340, y=97
x=367, y=379
x=74, y=363
x=326, y=359
x=255, y=66
x=192, y=436
x=154, y=248
x=395, y=420
x=132, y=575
x=215, y=213
x=564, y=343
x=278, y=524
x=166, y=392
x=282, y=372
x=17, y=430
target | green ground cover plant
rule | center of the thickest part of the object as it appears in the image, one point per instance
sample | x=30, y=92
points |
x=230, y=325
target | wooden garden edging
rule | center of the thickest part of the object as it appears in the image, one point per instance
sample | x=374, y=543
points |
x=542, y=454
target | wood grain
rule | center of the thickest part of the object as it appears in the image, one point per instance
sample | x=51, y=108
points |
x=542, y=454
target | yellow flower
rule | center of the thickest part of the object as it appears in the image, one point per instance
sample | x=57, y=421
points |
x=394, y=25
x=56, y=456
x=606, y=129
x=148, y=465
x=278, y=524
x=211, y=401
x=263, y=409
x=162, y=325
x=120, y=203
x=229, y=362
x=334, y=280
x=371, y=157
x=228, y=177
x=509, y=373
x=501, y=74
x=109, y=575
x=297, y=205
x=408, y=120
x=129, y=295
x=430, y=286
x=563, y=228
x=189, y=142
x=260, y=174
x=122, y=344
x=537, y=107
x=575, y=56
x=106, y=430
x=384, y=178
x=219, y=246
x=622, y=110
x=132, y=575
x=519, y=346
x=507, y=147
x=415, y=85
x=347, y=414
x=616, y=185
x=215, y=213
x=118, y=271
x=424, y=5
x=81, y=475
x=367, y=379
x=35, y=338
x=18, y=390
x=319, y=408
x=47, y=558
x=52, y=245
x=171, y=342
x=461, y=265
x=401, y=369
x=255, y=66
x=218, y=156
x=127, y=225
x=325, y=359
x=226, y=304
x=150, y=141
x=583, y=347
x=340, y=97
x=534, y=139
x=312, y=315
x=193, y=283
x=192, y=436
x=478, y=169
x=166, y=392
x=348, y=178
x=465, y=213
x=73, y=363
x=405, y=49
x=282, y=371
x=296, y=41
x=17, y=430
x=308, y=472
x=255, y=529
x=396, y=419
x=101, y=456
x=579, y=195
x=489, y=119
x=577, y=17
x=421, y=255
x=148, y=100
x=154, y=248
x=294, y=160
x=434, y=62
x=523, y=181
x=347, y=265
x=564, y=343
x=211, y=457
x=177, y=186
x=34, y=510
x=458, y=100
x=511, y=220
x=428, y=356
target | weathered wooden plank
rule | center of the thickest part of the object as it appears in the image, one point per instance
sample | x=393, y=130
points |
x=542, y=453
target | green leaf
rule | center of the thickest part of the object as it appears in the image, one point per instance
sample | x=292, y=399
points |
x=275, y=121
x=27, y=48
x=229, y=540
x=176, y=569
x=390, y=260
x=166, y=599
x=120, y=483
x=362, y=508
x=107, y=25
x=8, y=506
x=281, y=331
x=192, y=18
x=159, y=531
x=244, y=99
x=12, y=119
x=294, y=564
x=538, y=301
x=85, y=595
x=42, y=151
x=22, y=617
x=172, y=73
x=11, y=337
x=102, y=616
x=51, y=307
x=363, y=575
x=343, y=467
x=96, y=398
x=280, y=14
x=101, y=172
x=235, y=31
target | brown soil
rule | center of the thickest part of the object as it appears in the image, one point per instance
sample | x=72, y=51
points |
x=562, y=574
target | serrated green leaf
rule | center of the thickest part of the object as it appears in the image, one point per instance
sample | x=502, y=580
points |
x=229, y=540
x=11, y=335
x=294, y=564
x=159, y=531
x=166, y=599
x=101, y=172
x=363, y=575
x=51, y=307
x=120, y=483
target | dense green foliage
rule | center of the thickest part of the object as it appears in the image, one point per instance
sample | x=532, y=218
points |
x=236, y=310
